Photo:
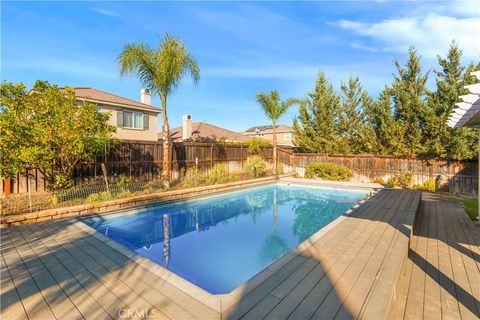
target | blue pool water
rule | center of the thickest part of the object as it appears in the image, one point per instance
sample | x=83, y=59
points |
x=220, y=242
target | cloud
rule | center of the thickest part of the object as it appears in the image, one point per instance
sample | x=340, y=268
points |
x=431, y=34
x=105, y=12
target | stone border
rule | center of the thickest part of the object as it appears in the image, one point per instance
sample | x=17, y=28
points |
x=106, y=206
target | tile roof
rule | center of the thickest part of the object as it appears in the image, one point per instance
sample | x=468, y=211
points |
x=95, y=95
x=279, y=127
x=203, y=130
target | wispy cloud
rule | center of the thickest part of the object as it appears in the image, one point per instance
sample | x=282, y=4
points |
x=431, y=33
x=105, y=12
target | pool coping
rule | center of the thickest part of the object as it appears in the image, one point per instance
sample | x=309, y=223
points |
x=223, y=302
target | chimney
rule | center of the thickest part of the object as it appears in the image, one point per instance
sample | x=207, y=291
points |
x=187, y=127
x=145, y=96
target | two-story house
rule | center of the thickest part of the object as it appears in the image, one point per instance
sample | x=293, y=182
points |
x=283, y=132
x=134, y=120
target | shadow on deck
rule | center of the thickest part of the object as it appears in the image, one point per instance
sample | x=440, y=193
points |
x=368, y=265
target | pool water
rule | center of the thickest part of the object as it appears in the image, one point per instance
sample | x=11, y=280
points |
x=219, y=242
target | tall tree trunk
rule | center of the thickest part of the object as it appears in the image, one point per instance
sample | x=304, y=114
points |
x=274, y=149
x=166, y=141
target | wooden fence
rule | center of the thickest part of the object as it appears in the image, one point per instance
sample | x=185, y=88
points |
x=460, y=176
x=144, y=161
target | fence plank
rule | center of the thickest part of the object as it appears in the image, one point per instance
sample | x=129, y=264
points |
x=143, y=161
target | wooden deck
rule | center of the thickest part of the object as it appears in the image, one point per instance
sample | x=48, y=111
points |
x=59, y=270
x=441, y=277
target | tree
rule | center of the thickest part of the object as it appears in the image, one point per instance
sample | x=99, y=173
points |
x=389, y=133
x=356, y=134
x=409, y=94
x=161, y=71
x=47, y=128
x=274, y=108
x=441, y=140
x=315, y=126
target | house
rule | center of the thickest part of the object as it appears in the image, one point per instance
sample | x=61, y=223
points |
x=134, y=120
x=284, y=134
x=202, y=132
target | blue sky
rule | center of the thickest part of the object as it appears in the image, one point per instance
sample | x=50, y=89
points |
x=242, y=47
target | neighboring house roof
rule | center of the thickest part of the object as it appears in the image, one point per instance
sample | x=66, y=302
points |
x=203, y=130
x=467, y=114
x=269, y=129
x=102, y=97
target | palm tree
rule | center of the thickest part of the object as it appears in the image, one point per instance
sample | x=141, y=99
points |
x=161, y=71
x=274, y=109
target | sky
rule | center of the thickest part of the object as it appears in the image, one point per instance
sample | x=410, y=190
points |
x=242, y=48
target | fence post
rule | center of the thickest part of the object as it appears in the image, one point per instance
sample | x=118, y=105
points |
x=211, y=156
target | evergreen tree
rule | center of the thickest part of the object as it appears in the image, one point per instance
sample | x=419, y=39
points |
x=463, y=142
x=353, y=130
x=389, y=133
x=315, y=127
x=409, y=96
x=441, y=140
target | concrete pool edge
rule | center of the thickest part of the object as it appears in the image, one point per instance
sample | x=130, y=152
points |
x=222, y=302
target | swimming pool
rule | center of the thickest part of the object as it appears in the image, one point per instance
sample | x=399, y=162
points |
x=219, y=242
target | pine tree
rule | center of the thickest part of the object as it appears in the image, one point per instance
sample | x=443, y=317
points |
x=409, y=96
x=389, y=133
x=315, y=127
x=355, y=133
x=463, y=142
x=440, y=140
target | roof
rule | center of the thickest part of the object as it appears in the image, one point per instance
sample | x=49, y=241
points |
x=203, y=130
x=466, y=114
x=264, y=129
x=99, y=96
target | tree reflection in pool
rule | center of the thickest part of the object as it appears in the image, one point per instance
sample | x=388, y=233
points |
x=220, y=242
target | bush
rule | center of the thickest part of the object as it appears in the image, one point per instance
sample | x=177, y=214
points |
x=193, y=178
x=256, y=166
x=379, y=180
x=98, y=197
x=403, y=180
x=218, y=174
x=255, y=145
x=428, y=185
x=123, y=184
x=328, y=171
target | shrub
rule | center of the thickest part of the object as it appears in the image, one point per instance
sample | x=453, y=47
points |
x=379, y=180
x=255, y=145
x=256, y=166
x=98, y=197
x=123, y=184
x=218, y=174
x=280, y=168
x=328, y=171
x=193, y=178
x=403, y=180
x=428, y=185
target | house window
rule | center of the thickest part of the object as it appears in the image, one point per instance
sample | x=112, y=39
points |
x=132, y=119
x=288, y=136
x=99, y=108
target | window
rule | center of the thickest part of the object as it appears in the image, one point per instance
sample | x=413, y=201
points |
x=132, y=119
x=99, y=108
x=288, y=136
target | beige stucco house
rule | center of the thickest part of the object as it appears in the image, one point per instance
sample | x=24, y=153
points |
x=284, y=134
x=134, y=120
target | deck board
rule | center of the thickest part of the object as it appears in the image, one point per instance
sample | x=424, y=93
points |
x=452, y=277
x=59, y=270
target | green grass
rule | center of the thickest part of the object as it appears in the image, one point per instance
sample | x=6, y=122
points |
x=471, y=206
